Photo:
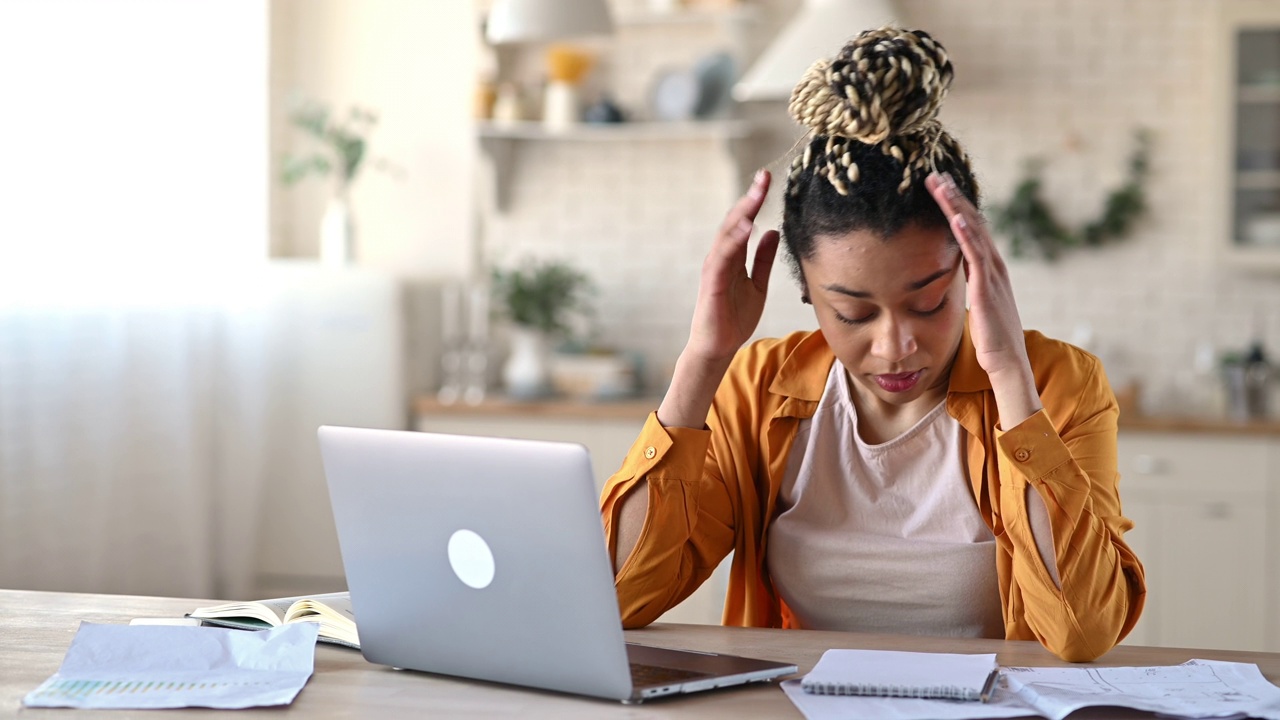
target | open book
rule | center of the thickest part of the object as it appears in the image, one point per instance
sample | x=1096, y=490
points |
x=331, y=611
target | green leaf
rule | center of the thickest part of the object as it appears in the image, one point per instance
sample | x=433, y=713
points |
x=1029, y=221
x=541, y=295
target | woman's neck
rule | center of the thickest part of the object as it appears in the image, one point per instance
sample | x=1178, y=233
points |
x=880, y=421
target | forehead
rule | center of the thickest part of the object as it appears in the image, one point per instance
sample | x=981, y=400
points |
x=873, y=259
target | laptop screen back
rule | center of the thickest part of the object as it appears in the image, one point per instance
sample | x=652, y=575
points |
x=477, y=557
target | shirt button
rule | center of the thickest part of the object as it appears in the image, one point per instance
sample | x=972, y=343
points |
x=1022, y=454
x=650, y=452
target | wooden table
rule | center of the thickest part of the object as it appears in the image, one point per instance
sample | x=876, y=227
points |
x=36, y=628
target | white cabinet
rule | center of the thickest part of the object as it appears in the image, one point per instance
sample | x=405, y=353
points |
x=1200, y=509
x=1248, y=93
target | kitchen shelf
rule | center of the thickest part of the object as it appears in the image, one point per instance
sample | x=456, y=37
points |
x=612, y=132
x=500, y=140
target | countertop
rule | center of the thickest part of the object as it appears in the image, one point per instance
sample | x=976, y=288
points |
x=638, y=408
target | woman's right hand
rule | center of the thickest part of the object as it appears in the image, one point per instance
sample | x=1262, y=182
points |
x=731, y=301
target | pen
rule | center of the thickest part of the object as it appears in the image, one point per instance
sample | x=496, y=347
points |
x=989, y=685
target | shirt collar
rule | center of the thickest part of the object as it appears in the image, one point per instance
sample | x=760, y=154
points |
x=803, y=374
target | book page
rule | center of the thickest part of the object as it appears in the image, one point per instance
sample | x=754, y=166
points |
x=271, y=612
x=332, y=611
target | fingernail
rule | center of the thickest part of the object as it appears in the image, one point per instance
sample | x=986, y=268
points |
x=759, y=177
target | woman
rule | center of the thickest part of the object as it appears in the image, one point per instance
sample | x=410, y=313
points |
x=912, y=466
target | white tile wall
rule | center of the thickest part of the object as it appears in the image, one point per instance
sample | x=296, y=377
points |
x=1065, y=79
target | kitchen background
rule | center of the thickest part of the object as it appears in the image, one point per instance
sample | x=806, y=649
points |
x=1062, y=80
x=160, y=384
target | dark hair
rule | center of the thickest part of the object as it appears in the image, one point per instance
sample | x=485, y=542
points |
x=872, y=113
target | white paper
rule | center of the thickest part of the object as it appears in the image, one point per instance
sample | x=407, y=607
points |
x=1194, y=689
x=157, y=666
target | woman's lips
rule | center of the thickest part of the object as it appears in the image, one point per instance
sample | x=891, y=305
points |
x=898, y=382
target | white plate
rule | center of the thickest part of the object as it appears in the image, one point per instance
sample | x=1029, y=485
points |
x=675, y=95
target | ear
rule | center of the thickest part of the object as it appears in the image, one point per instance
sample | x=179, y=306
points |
x=804, y=285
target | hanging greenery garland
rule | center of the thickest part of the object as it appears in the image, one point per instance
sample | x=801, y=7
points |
x=1029, y=222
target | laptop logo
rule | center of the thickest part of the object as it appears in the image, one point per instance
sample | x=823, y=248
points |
x=471, y=559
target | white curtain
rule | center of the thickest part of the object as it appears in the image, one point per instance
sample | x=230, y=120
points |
x=135, y=161
x=131, y=445
x=165, y=443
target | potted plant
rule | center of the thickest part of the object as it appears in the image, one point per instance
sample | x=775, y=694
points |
x=541, y=299
x=341, y=154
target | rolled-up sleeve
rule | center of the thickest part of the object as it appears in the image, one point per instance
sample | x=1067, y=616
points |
x=679, y=545
x=1073, y=468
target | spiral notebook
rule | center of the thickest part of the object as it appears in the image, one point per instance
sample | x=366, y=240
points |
x=889, y=673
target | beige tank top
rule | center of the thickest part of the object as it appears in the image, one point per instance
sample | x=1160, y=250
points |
x=882, y=538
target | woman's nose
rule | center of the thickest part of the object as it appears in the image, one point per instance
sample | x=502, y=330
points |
x=894, y=342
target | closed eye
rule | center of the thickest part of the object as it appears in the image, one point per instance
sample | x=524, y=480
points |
x=934, y=311
x=857, y=321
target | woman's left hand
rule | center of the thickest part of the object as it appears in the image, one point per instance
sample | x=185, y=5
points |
x=994, y=324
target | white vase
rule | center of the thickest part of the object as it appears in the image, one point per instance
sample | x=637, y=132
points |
x=527, y=372
x=560, y=106
x=337, y=232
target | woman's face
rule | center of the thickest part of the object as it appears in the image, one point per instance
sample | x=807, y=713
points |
x=893, y=311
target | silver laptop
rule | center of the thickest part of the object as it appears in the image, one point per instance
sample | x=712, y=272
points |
x=485, y=558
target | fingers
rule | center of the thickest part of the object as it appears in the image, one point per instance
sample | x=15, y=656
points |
x=747, y=206
x=766, y=251
x=964, y=219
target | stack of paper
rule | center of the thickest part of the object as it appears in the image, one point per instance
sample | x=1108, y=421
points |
x=157, y=666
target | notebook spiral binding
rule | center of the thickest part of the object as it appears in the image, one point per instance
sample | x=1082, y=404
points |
x=937, y=692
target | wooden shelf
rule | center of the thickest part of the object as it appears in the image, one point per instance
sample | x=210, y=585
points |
x=1211, y=425
x=636, y=409
x=639, y=408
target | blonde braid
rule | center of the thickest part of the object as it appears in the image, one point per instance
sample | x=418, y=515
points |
x=884, y=88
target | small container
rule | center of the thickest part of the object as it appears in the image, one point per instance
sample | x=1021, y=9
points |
x=508, y=107
x=1248, y=386
x=560, y=106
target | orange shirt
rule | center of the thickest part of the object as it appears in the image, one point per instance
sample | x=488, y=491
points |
x=715, y=490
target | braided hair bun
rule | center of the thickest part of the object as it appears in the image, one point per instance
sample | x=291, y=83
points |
x=883, y=83
x=884, y=88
